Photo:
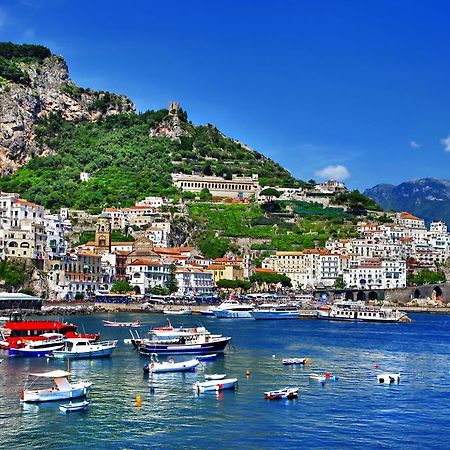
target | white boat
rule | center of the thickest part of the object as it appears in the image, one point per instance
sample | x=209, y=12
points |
x=111, y=323
x=388, y=378
x=287, y=393
x=42, y=347
x=232, y=309
x=77, y=348
x=178, y=312
x=293, y=361
x=72, y=407
x=275, y=311
x=215, y=385
x=350, y=311
x=327, y=376
x=63, y=390
x=170, y=365
x=207, y=357
x=215, y=376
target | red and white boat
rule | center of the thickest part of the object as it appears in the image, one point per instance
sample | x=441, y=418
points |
x=16, y=333
x=112, y=323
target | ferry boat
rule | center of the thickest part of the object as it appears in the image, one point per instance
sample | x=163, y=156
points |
x=271, y=311
x=16, y=333
x=233, y=309
x=350, y=311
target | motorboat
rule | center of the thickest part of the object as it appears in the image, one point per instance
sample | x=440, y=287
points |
x=215, y=385
x=84, y=348
x=170, y=365
x=63, y=389
x=215, y=376
x=350, y=311
x=48, y=343
x=16, y=333
x=322, y=378
x=293, y=361
x=274, y=311
x=287, y=393
x=233, y=309
x=207, y=312
x=207, y=357
x=73, y=407
x=110, y=323
x=388, y=378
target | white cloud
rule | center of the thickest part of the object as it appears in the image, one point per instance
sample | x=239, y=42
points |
x=446, y=143
x=338, y=173
x=414, y=144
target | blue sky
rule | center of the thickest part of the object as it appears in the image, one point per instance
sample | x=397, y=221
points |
x=357, y=89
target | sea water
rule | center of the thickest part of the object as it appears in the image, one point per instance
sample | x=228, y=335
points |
x=353, y=412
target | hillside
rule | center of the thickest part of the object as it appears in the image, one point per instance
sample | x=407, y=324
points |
x=428, y=198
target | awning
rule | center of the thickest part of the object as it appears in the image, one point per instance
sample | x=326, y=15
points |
x=52, y=374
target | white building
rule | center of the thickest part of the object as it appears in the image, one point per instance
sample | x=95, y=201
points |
x=145, y=274
x=194, y=281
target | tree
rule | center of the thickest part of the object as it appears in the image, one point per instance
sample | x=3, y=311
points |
x=172, y=282
x=121, y=287
x=270, y=278
x=339, y=283
x=205, y=194
x=270, y=192
x=234, y=284
x=212, y=246
x=427, y=276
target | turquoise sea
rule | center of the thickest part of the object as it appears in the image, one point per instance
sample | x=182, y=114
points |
x=353, y=413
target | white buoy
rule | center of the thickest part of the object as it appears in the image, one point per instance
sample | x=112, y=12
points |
x=273, y=356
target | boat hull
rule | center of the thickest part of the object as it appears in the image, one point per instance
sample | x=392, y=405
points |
x=73, y=407
x=103, y=353
x=214, y=346
x=229, y=314
x=323, y=315
x=218, y=385
x=33, y=352
x=166, y=367
x=275, y=315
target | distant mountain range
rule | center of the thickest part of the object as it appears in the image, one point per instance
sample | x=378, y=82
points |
x=428, y=198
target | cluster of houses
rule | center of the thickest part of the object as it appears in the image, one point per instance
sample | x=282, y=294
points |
x=380, y=258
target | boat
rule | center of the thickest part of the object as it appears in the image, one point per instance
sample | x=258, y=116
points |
x=110, y=323
x=178, y=312
x=73, y=407
x=287, y=393
x=63, y=390
x=273, y=311
x=388, y=378
x=215, y=376
x=292, y=361
x=327, y=376
x=215, y=385
x=207, y=357
x=350, y=311
x=48, y=343
x=16, y=333
x=84, y=348
x=207, y=312
x=170, y=365
x=233, y=309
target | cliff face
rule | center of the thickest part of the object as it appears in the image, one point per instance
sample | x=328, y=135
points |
x=47, y=90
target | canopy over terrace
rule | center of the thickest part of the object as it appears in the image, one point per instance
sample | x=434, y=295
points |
x=19, y=301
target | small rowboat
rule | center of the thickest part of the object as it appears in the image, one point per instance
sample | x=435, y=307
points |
x=170, y=366
x=327, y=376
x=207, y=357
x=292, y=361
x=218, y=385
x=287, y=393
x=72, y=407
x=110, y=323
x=215, y=376
x=388, y=378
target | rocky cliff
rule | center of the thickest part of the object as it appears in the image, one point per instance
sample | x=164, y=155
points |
x=32, y=88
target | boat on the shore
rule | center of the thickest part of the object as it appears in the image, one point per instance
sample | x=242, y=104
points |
x=233, y=309
x=84, y=348
x=73, y=407
x=287, y=393
x=63, y=390
x=49, y=343
x=16, y=333
x=274, y=311
x=112, y=323
x=170, y=365
x=350, y=311
x=215, y=385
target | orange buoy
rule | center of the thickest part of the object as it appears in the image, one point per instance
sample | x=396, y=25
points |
x=327, y=375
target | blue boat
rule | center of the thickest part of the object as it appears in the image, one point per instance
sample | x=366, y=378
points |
x=49, y=342
x=207, y=357
x=270, y=311
x=194, y=345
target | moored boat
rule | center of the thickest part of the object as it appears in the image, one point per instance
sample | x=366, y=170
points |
x=178, y=312
x=349, y=311
x=327, y=376
x=49, y=343
x=388, y=378
x=233, y=309
x=215, y=376
x=170, y=365
x=207, y=357
x=293, y=361
x=73, y=407
x=111, y=323
x=287, y=393
x=215, y=385
x=84, y=348
x=63, y=390
x=273, y=311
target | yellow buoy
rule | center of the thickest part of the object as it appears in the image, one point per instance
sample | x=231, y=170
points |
x=307, y=362
x=138, y=401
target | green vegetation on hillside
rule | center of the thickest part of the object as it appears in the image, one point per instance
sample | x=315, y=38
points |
x=355, y=199
x=125, y=163
x=426, y=276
